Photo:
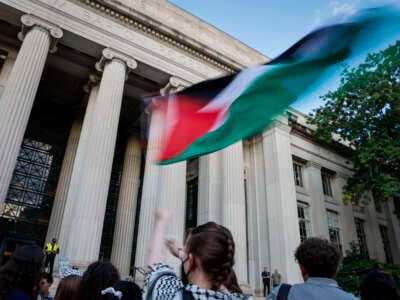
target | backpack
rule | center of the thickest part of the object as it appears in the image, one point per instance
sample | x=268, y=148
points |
x=283, y=291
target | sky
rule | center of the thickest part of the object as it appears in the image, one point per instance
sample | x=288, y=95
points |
x=272, y=26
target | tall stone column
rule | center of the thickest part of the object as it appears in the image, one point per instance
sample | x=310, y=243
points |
x=91, y=199
x=209, y=204
x=318, y=210
x=234, y=206
x=6, y=69
x=16, y=102
x=173, y=197
x=349, y=232
x=150, y=193
x=163, y=186
x=78, y=166
x=257, y=225
x=283, y=225
x=126, y=210
x=60, y=199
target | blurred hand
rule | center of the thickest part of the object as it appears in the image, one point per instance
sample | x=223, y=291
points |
x=173, y=246
x=162, y=214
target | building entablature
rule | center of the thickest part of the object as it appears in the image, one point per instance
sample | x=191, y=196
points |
x=170, y=23
x=90, y=27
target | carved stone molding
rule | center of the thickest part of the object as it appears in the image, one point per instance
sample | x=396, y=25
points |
x=164, y=37
x=30, y=21
x=110, y=54
x=313, y=164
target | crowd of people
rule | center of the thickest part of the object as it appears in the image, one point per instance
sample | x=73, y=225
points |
x=207, y=272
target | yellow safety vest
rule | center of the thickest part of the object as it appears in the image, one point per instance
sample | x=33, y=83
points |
x=50, y=247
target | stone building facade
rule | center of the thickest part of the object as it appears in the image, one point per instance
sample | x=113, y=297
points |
x=73, y=161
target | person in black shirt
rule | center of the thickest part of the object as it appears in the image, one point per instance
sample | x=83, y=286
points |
x=266, y=276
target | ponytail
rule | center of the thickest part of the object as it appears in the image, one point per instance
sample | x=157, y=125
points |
x=213, y=245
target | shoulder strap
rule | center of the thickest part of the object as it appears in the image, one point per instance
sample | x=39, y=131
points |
x=283, y=293
x=187, y=295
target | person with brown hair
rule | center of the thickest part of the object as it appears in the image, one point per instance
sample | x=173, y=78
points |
x=19, y=277
x=318, y=260
x=46, y=280
x=379, y=285
x=207, y=263
x=68, y=288
x=98, y=279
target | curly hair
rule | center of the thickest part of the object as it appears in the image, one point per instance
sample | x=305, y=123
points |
x=22, y=271
x=97, y=277
x=319, y=257
x=213, y=245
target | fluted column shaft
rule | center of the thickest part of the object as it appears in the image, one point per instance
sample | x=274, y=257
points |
x=234, y=205
x=6, y=70
x=163, y=186
x=283, y=225
x=126, y=210
x=151, y=191
x=318, y=210
x=257, y=231
x=18, y=96
x=77, y=170
x=88, y=215
x=64, y=181
x=173, y=198
x=209, y=203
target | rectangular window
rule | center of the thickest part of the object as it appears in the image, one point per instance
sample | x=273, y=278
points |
x=396, y=204
x=304, y=220
x=378, y=206
x=191, y=202
x=326, y=184
x=333, y=226
x=362, y=239
x=298, y=177
x=386, y=244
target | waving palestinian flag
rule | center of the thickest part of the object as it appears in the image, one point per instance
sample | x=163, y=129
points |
x=214, y=114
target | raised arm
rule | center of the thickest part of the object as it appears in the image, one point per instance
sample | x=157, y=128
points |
x=157, y=246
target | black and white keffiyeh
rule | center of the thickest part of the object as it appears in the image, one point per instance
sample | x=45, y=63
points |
x=203, y=294
x=163, y=284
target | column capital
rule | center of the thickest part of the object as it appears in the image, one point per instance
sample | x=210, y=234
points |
x=109, y=54
x=30, y=21
x=93, y=80
x=175, y=84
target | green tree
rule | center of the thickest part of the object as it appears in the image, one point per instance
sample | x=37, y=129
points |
x=364, y=113
x=356, y=265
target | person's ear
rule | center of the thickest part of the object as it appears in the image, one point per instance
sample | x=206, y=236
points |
x=192, y=261
x=303, y=271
